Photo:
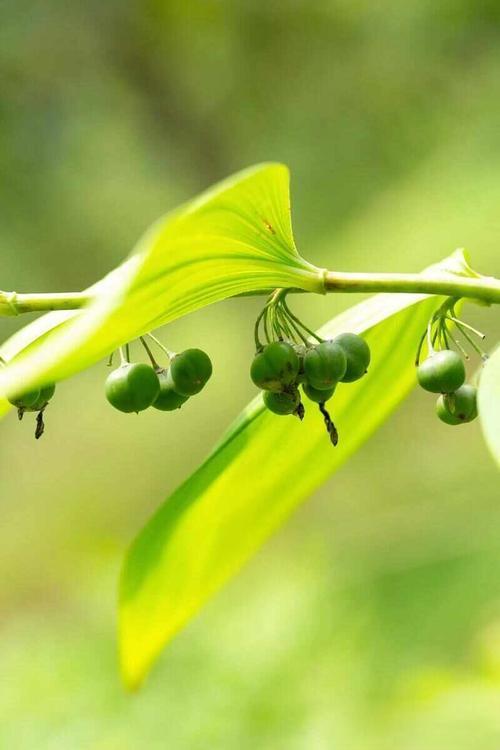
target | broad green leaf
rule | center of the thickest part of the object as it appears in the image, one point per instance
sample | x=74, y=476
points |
x=489, y=403
x=235, y=238
x=260, y=471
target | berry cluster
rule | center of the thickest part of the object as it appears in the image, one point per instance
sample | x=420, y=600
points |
x=291, y=361
x=444, y=372
x=135, y=386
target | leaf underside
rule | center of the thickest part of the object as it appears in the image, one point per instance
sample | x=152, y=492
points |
x=254, y=478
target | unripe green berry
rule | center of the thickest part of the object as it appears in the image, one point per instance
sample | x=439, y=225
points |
x=168, y=399
x=132, y=387
x=316, y=395
x=444, y=414
x=190, y=370
x=276, y=367
x=462, y=403
x=282, y=403
x=325, y=365
x=357, y=353
x=300, y=352
x=25, y=400
x=442, y=372
x=44, y=397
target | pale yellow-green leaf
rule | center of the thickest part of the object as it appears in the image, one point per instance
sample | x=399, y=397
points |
x=259, y=472
x=235, y=238
x=489, y=403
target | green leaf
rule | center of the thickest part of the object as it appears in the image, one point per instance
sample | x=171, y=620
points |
x=489, y=403
x=235, y=238
x=260, y=471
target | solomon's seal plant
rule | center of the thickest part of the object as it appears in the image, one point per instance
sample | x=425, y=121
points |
x=236, y=239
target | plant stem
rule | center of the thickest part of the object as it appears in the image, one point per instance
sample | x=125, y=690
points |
x=164, y=349
x=485, y=288
x=12, y=304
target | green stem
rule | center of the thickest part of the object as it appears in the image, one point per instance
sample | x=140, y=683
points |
x=298, y=331
x=285, y=324
x=484, y=288
x=466, y=325
x=470, y=340
x=12, y=304
x=169, y=354
x=300, y=323
x=149, y=353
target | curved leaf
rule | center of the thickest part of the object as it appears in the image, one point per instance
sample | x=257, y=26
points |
x=489, y=403
x=260, y=471
x=235, y=238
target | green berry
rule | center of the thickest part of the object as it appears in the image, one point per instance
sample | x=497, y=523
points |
x=282, y=403
x=44, y=397
x=275, y=367
x=325, y=365
x=442, y=372
x=26, y=403
x=25, y=400
x=190, y=370
x=357, y=353
x=301, y=375
x=168, y=399
x=132, y=387
x=462, y=403
x=444, y=414
x=317, y=395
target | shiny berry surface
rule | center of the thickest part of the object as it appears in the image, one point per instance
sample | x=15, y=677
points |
x=282, y=403
x=275, y=367
x=317, y=395
x=357, y=353
x=462, y=403
x=190, y=370
x=168, y=399
x=132, y=387
x=442, y=372
x=325, y=365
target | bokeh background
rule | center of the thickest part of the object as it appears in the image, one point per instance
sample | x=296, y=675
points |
x=372, y=620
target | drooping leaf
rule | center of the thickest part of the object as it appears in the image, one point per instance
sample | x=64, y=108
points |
x=235, y=238
x=489, y=403
x=259, y=472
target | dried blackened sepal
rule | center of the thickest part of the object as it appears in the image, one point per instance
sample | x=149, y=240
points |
x=40, y=425
x=330, y=427
x=300, y=411
x=20, y=412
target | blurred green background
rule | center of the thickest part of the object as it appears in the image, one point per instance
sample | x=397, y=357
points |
x=372, y=620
